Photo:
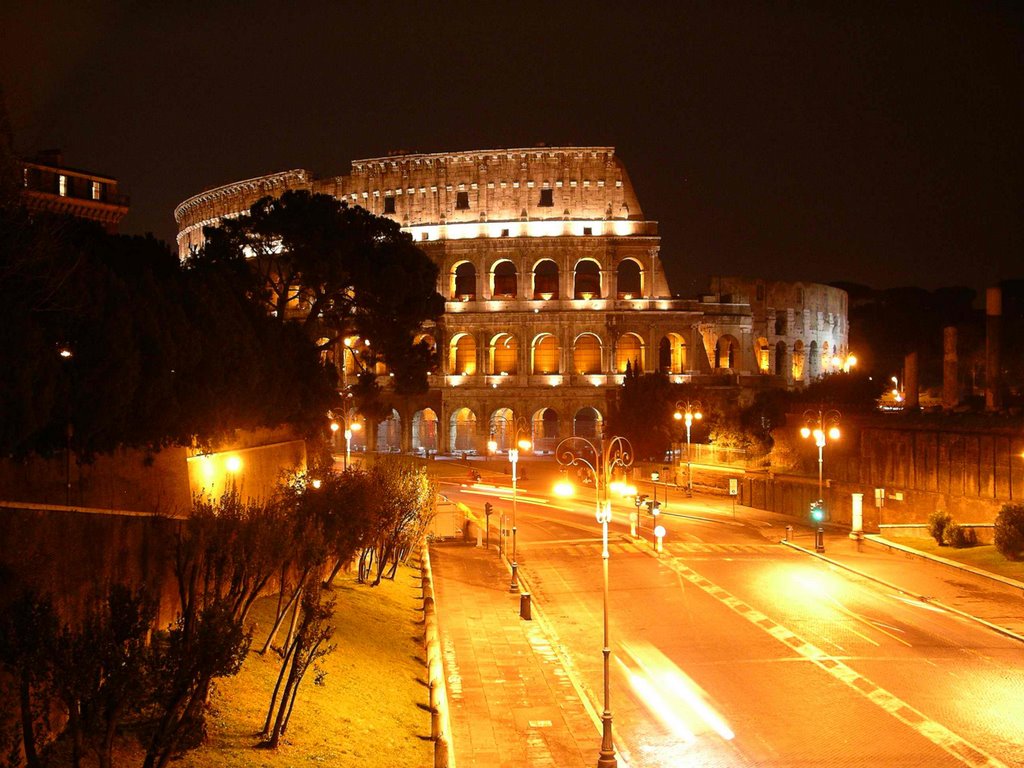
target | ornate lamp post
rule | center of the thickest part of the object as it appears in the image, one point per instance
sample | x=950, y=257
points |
x=523, y=442
x=823, y=425
x=580, y=452
x=688, y=412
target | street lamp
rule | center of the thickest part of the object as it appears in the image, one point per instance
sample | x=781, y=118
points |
x=522, y=430
x=66, y=353
x=688, y=412
x=823, y=425
x=580, y=452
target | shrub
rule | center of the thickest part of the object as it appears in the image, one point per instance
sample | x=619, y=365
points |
x=956, y=535
x=1008, y=535
x=937, y=522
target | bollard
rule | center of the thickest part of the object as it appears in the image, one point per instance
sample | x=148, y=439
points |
x=524, y=606
x=819, y=540
x=789, y=532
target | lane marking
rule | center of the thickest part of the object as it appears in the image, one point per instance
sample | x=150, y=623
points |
x=933, y=731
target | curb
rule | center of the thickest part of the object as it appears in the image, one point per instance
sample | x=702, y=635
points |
x=440, y=713
x=920, y=598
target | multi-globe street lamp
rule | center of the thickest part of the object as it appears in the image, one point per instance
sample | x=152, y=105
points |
x=822, y=425
x=581, y=452
x=688, y=412
x=523, y=442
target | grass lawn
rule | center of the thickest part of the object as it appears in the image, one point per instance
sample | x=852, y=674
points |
x=370, y=711
x=983, y=557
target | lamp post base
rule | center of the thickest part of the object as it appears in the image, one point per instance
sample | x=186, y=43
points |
x=607, y=759
x=514, y=585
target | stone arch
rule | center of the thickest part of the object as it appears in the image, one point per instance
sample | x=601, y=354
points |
x=504, y=280
x=462, y=355
x=545, y=430
x=424, y=431
x=503, y=355
x=502, y=430
x=629, y=279
x=813, y=361
x=545, y=280
x=462, y=430
x=672, y=353
x=727, y=352
x=798, y=360
x=827, y=365
x=587, y=354
x=629, y=349
x=389, y=433
x=587, y=422
x=780, y=358
x=545, y=354
x=463, y=281
x=587, y=280
x=762, y=352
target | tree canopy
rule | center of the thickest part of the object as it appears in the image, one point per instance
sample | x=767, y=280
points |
x=337, y=271
x=155, y=353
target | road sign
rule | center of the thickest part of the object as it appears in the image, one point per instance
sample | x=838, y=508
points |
x=734, y=486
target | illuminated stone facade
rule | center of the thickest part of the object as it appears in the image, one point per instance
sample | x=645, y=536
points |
x=553, y=286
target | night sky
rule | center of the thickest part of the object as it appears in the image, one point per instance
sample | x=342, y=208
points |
x=872, y=143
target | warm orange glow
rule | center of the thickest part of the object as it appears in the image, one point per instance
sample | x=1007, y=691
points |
x=805, y=432
x=677, y=416
x=492, y=445
x=524, y=444
x=833, y=433
x=335, y=426
x=564, y=489
x=316, y=483
x=233, y=464
x=356, y=427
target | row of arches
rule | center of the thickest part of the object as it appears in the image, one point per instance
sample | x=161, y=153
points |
x=799, y=363
x=465, y=432
x=503, y=355
x=544, y=281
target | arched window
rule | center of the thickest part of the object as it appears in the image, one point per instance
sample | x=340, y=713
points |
x=586, y=354
x=424, y=431
x=389, y=433
x=628, y=280
x=726, y=349
x=545, y=430
x=780, y=358
x=587, y=423
x=545, y=280
x=502, y=429
x=462, y=355
x=504, y=354
x=629, y=350
x=587, y=280
x=672, y=353
x=462, y=430
x=464, y=282
x=506, y=281
x=545, y=354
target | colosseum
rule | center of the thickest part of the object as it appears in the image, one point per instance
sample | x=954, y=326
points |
x=553, y=286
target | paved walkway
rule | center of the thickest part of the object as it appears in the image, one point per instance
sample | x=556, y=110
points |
x=512, y=702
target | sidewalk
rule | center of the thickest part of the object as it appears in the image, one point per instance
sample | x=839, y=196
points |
x=512, y=702
x=997, y=603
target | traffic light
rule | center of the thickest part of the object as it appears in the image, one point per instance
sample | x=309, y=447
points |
x=656, y=508
x=488, y=508
x=817, y=511
x=640, y=499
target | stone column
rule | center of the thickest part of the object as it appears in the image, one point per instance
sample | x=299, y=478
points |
x=405, y=440
x=950, y=369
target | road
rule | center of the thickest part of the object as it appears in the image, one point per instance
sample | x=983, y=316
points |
x=732, y=650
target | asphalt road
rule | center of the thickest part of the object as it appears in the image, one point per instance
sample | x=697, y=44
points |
x=732, y=650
